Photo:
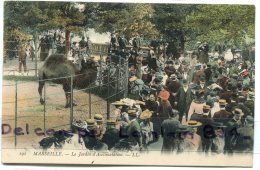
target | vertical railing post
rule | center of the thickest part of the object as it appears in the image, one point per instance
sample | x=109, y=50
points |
x=71, y=101
x=126, y=78
x=15, y=114
x=100, y=71
x=36, y=40
x=89, y=104
x=44, y=108
x=108, y=89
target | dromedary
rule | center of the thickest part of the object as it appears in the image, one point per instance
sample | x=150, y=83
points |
x=58, y=69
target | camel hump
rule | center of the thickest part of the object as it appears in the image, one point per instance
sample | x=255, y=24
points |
x=55, y=59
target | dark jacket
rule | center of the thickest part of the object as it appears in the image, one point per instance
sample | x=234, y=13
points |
x=184, y=99
x=169, y=127
x=111, y=137
x=222, y=116
x=134, y=133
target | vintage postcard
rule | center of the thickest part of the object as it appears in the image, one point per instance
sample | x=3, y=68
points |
x=105, y=83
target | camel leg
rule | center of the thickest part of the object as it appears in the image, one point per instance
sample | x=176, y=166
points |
x=67, y=90
x=41, y=85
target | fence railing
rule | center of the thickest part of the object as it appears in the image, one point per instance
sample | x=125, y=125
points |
x=21, y=102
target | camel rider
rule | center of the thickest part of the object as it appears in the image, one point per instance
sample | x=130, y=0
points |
x=83, y=47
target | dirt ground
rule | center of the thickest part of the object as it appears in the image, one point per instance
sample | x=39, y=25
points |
x=31, y=112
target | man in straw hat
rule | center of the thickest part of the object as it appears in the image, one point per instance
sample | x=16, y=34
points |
x=169, y=128
x=146, y=127
x=222, y=115
x=134, y=131
x=100, y=127
x=89, y=137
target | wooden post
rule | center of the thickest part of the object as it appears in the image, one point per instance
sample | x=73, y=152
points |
x=71, y=101
x=15, y=114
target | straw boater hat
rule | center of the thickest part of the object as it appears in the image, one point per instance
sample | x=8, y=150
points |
x=237, y=111
x=145, y=114
x=119, y=103
x=132, y=112
x=222, y=102
x=90, y=122
x=206, y=107
x=133, y=78
x=193, y=123
x=98, y=117
x=111, y=122
x=139, y=102
x=164, y=95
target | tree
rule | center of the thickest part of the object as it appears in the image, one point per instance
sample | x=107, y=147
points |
x=228, y=24
x=128, y=19
x=42, y=16
x=171, y=21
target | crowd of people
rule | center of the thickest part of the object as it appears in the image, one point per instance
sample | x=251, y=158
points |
x=194, y=103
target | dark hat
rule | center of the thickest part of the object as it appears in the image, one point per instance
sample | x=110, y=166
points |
x=185, y=81
x=250, y=119
x=202, y=79
x=157, y=80
x=200, y=93
x=183, y=129
x=169, y=62
x=235, y=76
x=218, y=125
x=210, y=102
x=62, y=134
x=193, y=86
x=197, y=66
x=145, y=92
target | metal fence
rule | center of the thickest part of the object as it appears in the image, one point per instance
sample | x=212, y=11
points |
x=25, y=116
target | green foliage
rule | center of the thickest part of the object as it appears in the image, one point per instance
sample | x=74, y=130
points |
x=128, y=19
x=224, y=23
x=183, y=23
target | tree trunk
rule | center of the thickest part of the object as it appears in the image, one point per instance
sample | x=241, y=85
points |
x=182, y=42
x=67, y=43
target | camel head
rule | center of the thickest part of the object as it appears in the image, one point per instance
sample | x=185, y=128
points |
x=89, y=64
